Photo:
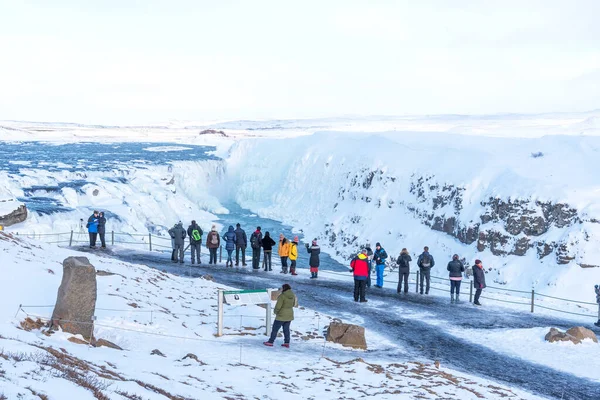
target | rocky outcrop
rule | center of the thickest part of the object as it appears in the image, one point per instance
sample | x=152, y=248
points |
x=18, y=214
x=575, y=335
x=76, y=300
x=347, y=335
x=580, y=333
x=557, y=336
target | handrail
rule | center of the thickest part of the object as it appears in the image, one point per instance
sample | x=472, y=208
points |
x=75, y=237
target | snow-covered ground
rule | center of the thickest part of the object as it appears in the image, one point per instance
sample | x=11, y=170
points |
x=143, y=310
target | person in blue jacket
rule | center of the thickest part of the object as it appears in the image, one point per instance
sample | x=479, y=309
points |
x=230, y=239
x=379, y=257
x=92, y=226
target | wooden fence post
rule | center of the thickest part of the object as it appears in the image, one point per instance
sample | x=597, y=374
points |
x=112, y=238
x=71, y=239
x=150, y=241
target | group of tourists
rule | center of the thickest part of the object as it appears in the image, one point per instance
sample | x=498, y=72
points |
x=96, y=226
x=236, y=239
x=361, y=267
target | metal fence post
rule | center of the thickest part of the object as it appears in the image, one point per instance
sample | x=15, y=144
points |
x=71, y=238
x=417, y=283
x=220, y=312
x=112, y=238
x=471, y=292
x=532, y=299
x=220, y=253
x=150, y=241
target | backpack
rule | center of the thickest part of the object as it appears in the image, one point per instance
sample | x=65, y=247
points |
x=196, y=235
x=214, y=239
x=254, y=240
x=426, y=261
x=402, y=262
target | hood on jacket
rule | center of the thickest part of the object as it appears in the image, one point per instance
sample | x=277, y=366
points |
x=362, y=256
x=288, y=294
x=267, y=235
x=230, y=229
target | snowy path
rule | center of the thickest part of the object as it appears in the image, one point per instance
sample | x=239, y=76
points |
x=416, y=323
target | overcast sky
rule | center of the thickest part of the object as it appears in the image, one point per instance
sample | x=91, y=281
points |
x=147, y=61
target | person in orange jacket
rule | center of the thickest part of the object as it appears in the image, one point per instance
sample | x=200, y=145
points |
x=293, y=255
x=284, y=252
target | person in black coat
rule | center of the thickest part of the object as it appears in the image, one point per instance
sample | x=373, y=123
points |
x=455, y=269
x=267, y=245
x=478, y=280
x=403, y=263
x=102, y=228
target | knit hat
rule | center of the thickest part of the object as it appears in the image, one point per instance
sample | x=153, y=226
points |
x=237, y=225
x=455, y=257
x=404, y=251
x=477, y=261
x=286, y=286
x=258, y=228
x=377, y=244
x=296, y=240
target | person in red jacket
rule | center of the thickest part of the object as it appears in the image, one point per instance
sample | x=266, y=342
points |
x=360, y=268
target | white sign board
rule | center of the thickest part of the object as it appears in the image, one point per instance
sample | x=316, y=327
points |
x=239, y=297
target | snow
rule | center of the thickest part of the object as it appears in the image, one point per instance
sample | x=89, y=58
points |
x=141, y=309
x=167, y=148
x=8, y=205
x=529, y=344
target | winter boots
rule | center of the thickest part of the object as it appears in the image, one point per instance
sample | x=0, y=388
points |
x=268, y=344
x=313, y=275
x=452, y=299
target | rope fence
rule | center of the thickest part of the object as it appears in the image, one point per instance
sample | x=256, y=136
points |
x=71, y=238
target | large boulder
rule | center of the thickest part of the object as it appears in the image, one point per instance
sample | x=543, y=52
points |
x=12, y=211
x=581, y=333
x=76, y=300
x=347, y=335
x=557, y=336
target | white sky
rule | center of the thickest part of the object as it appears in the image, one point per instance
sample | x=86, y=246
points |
x=124, y=61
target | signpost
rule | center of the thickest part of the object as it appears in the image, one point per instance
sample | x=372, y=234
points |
x=241, y=297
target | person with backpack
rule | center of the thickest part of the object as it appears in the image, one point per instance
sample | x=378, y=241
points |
x=213, y=242
x=284, y=252
x=177, y=233
x=379, y=257
x=370, y=262
x=359, y=266
x=478, y=281
x=314, y=250
x=241, y=242
x=267, y=245
x=425, y=262
x=92, y=226
x=455, y=269
x=403, y=262
x=284, y=315
x=293, y=255
x=195, y=234
x=102, y=229
x=230, y=240
x=256, y=244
